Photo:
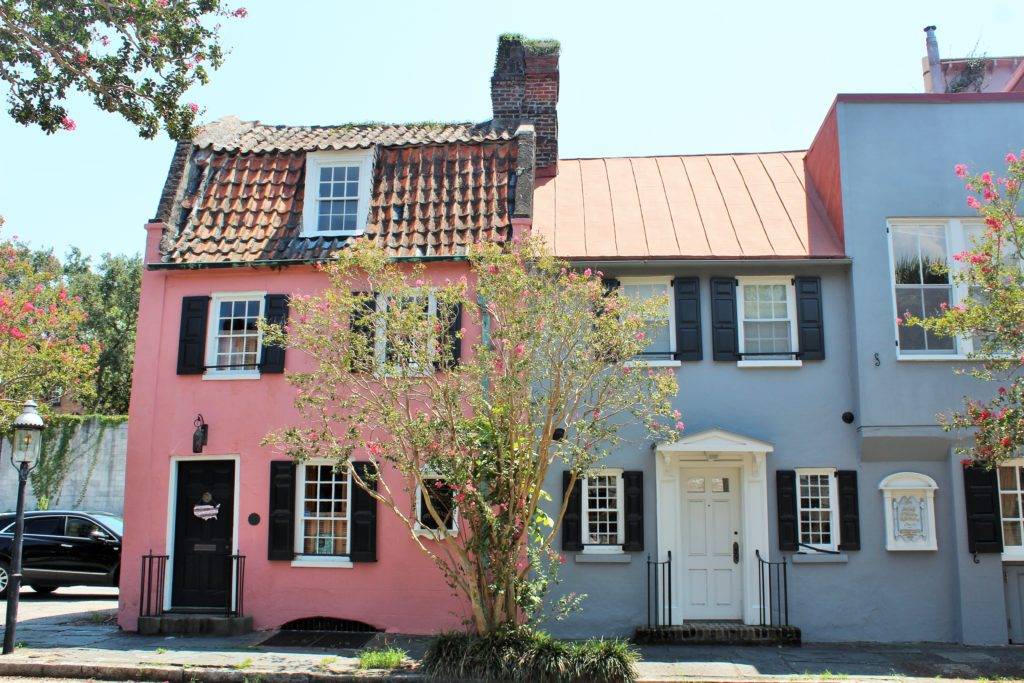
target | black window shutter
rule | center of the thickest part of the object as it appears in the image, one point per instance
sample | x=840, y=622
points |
x=724, y=339
x=452, y=327
x=609, y=284
x=363, y=546
x=281, y=520
x=981, y=498
x=192, y=338
x=849, y=510
x=810, y=323
x=633, y=502
x=572, y=530
x=687, y=305
x=275, y=310
x=785, y=496
x=364, y=327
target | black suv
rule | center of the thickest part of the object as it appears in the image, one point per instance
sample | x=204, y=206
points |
x=63, y=549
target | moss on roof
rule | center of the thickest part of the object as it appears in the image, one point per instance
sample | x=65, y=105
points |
x=534, y=46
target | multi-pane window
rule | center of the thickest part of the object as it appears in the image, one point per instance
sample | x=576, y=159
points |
x=442, y=499
x=816, y=509
x=920, y=255
x=1011, y=498
x=338, y=198
x=323, y=516
x=395, y=352
x=235, y=342
x=660, y=332
x=602, y=509
x=766, y=307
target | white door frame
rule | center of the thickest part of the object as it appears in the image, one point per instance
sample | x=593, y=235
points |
x=172, y=500
x=716, y=448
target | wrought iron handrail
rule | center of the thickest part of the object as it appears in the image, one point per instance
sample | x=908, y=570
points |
x=772, y=591
x=153, y=585
x=151, y=596
x=659, y=592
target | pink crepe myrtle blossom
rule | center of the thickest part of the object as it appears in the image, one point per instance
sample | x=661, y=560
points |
x=986, y=178
x=587, y=272
x=961, y=170
x=973, y=203
x=154, y=40
x=17, y=333
x=193, y=107
x=82, y=58
x=240, y=13
x=519, y=350
x=680, y=425
x=68, y=123
x=104, y=41
x=1011, y=158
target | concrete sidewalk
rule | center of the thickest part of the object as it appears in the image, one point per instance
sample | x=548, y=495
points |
x=71, y=634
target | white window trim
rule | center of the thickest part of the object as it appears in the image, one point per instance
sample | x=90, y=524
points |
x=1015, y=553
x=380, y=331
x=670, y=292
x=794, y=332
x=833, y=503
x=301, y=559
x=314, y=162
x=956, y=242
x=616, y=548
x=212, y=320
x=436, y=534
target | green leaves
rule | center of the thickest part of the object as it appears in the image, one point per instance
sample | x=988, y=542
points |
x=136, y=58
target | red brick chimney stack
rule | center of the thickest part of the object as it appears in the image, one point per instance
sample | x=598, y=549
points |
x=524, y=89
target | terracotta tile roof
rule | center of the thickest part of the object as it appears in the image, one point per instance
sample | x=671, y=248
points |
x=710, y=206
x=240, y=205
x=232, y=134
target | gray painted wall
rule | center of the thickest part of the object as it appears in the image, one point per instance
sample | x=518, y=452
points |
x=94, y=484
x=897, y=161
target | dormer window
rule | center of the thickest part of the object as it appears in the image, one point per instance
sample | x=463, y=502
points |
x=337, y=198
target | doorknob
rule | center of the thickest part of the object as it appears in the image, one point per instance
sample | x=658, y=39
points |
x=735, y=552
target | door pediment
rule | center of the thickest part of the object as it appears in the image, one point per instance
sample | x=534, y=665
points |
x=718, y=441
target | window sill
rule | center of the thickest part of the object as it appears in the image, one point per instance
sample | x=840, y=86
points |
x=254, y=374
x=819, y=558
x=435, y=534
x=588, y=556
x=1015, y=555
x=322, y=561
x=654, y=364
x=769, y=363
x=929, y=357
x=602, y=550
x=313, y=234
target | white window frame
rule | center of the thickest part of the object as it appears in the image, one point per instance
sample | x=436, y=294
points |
x=794, y=332
x=310, y=208
x=833, y=502
x=437, y=534
x=670, y=292
x=212, y=325
x=956, y=242
x=603, y=549
x=1013, y=553
x=380, y=331
x=301, y=559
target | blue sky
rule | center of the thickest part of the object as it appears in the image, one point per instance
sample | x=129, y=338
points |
x=637, y=77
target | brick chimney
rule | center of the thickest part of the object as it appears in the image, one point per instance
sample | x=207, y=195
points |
x=524, y=89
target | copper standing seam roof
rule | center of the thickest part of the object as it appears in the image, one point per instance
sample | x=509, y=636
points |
x=705, y=206
x=235, y=195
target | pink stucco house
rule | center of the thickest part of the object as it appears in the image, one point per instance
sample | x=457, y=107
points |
x=217, y=523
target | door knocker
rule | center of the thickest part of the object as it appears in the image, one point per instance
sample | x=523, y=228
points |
x=205, y=509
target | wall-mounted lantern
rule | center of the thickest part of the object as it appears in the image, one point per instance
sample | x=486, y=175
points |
x=201, y=435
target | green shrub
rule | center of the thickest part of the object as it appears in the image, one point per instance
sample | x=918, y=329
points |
x=387, y=658
x=521, y=654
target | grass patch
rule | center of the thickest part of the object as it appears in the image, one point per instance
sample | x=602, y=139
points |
x=387, y=658
x=244, y=664
x=521, y=654
x=325, y=664
x=161, y=650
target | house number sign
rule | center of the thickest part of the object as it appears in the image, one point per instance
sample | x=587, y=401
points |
x=909, y=511
x=206, y=509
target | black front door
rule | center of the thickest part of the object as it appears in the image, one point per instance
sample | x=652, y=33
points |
x=203, y=521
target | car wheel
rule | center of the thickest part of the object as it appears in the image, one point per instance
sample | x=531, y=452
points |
x=5, y=578
x=44, y=590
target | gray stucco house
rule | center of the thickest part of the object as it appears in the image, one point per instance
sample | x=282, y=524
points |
x=812, y=438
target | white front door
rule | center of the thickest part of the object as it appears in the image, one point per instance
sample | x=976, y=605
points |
x=710, y=575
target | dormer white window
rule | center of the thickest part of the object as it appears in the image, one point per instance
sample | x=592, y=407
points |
x=337, y=198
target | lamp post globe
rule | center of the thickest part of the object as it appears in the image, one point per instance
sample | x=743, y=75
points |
x=26, y=442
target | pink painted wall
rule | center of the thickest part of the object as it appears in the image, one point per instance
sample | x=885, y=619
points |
x=401, y=592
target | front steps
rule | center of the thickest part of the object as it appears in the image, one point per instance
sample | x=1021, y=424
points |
x=717, y=633
x=195, y=625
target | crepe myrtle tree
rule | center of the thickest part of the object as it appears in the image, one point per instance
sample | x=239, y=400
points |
x=547, y=384
x=41, y=351
x=133, y=57
x=992, y=315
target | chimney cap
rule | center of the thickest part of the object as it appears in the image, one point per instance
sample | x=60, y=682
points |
x=929, y=28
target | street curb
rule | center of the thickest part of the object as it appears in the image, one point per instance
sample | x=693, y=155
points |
x=187, y=674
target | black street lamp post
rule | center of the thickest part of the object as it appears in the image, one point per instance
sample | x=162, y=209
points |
x=28, y=428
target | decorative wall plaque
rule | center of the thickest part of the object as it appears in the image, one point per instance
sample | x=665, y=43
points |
x=909, y=511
